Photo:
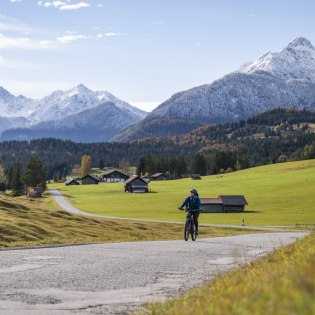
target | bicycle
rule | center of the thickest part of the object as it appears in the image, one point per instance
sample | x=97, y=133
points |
x=189, y=227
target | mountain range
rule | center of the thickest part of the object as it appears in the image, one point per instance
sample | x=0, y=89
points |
x=78, y=114
x=284, y=79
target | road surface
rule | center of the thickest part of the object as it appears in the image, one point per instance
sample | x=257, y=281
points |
x=117, y=278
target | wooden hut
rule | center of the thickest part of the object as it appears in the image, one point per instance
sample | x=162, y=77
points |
x=233, y=203
x=114, y=176
x=71, y=182
x=136, y=184
x=195, y=176
x=34, y=192
x=224, y=203
x=89, y=179
x=158, y=176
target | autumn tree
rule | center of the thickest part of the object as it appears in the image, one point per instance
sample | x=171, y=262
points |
x=85, y=165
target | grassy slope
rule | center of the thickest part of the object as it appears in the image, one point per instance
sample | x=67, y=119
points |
x=282, y=283
x=34, y=222
x=280, y=194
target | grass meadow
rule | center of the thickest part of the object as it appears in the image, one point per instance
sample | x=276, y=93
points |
x=278, y=195
x=28, y=222
x=281, y=283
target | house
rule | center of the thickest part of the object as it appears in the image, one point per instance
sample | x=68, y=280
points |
x=136, y=184
x=158, y=176
x=89, y=179
x=34, y=192
x=195, y=176
x=72, y=181
x=146, y=178
x=114, y=176
x=223, y=204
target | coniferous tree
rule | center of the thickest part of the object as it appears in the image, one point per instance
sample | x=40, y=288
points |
x=2, y=177
x=34, y=174
x=17, y=183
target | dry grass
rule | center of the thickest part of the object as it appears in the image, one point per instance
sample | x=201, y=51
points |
x=25, y=222
x=282, y=283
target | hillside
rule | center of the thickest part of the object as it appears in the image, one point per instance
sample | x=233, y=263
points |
x=25, y=222
x=279, y=195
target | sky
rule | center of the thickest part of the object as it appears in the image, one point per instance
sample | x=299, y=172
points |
x=142, y=51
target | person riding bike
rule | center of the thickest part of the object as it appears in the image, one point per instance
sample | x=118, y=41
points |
x=193, y=205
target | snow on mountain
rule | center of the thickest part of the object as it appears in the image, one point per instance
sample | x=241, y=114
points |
x=284, y=79
x=15, y=106
x=100, y=123
x=296, y=61
x=64, y=103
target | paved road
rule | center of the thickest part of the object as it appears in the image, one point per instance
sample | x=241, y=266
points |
x=117, y=278
x=67, y=206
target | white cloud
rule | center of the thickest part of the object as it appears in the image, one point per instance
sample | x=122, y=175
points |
x=15, y=1
x=21, y=43
x=100, y=5
x=108, y=34
x=70, y=38
x=63, y=5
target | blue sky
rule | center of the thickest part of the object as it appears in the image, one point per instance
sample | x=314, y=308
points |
x=142, y=51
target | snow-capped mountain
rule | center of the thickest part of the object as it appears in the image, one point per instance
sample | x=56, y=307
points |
x=15, y=106
x=77, y=114
x=284, y=79
x=60, y=104
x=296, y=61
x=100, y=123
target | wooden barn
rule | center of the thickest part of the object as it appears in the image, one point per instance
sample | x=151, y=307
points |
x=71, y=182
x=224, y=204
x=158, y=176
x=136, y=184
x=34, y=192
x=195, y=176
x=89, y=179
x=114, y=176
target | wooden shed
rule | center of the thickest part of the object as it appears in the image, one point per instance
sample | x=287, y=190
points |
x=114, y=176
x=224, y=204
x=72, y=181
x=89, y=179
x=195, y=176
x=233, y=203
x=136, y=184
x=34, y=192
x=158, y=176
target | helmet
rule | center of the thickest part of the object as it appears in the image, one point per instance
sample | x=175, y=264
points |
x=193, y=190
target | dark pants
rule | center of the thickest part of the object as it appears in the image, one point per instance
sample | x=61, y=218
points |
x=195, y=215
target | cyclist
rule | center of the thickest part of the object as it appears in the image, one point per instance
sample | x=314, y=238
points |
x=193, y=205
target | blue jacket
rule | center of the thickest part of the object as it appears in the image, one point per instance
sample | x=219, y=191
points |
x=193, y=203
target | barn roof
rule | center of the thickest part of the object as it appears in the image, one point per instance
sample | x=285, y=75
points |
x=113, y=171
x=71, y=180
x=131, y=179
x=91, y=176
x=208, y=201
x=157, y=175
x=233, y=200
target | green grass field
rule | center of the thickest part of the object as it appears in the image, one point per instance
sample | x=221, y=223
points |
x=281, y=283
x=25, y=222
x=279, y=194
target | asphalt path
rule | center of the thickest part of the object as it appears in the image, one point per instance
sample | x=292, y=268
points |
x=116, y=278
x=67, y=206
